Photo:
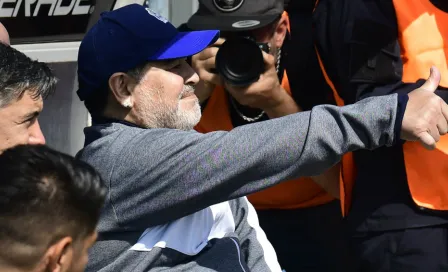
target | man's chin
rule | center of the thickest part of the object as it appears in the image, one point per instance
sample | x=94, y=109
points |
x=189, y=119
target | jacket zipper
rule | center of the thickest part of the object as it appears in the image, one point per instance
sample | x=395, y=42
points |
x=239, y=253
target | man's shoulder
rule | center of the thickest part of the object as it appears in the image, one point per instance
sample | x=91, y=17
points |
x=105, y=138
x=114, y=138
x=107, y=131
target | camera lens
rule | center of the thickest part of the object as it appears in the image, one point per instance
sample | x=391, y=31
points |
x=240, y=61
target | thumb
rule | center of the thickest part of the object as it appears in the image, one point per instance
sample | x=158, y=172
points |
x=433, y=81
x=427, y=140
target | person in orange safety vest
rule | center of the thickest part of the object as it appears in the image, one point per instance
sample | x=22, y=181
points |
x=301, y=218
x=395, y=200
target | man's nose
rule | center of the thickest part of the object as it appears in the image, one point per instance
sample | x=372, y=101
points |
x=189, y=75
x=193, y=79
x=36, y=135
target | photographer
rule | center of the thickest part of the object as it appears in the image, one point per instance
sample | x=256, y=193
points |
x=298, y=212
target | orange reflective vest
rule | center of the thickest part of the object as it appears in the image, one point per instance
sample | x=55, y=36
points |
x=423, y=34
x=300, y=193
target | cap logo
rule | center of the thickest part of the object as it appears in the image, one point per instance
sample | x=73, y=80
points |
x=245, y=23
x=228, y=5
x=156, y=15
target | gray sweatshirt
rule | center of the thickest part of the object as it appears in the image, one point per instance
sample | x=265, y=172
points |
x=177, y=200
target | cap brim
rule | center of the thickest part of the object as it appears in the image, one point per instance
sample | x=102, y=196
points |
x=186, y=44
x=230, y=23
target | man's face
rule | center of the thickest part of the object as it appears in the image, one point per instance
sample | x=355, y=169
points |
x=164, y=97
x=264, y=35
x=18, y=122
x=273, y=34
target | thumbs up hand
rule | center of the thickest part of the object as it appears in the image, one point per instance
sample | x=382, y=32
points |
x=426, y=114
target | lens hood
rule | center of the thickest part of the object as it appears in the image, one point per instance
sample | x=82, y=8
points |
x=239, y=61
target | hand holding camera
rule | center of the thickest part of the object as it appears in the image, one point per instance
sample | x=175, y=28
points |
x=266, y=93
x=244, y=67
x=204, y=64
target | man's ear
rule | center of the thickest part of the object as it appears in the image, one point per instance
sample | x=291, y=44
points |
x=119, y=85
x=59, y=256
x=280, y=31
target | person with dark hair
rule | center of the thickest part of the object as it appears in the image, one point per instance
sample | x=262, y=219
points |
x=176, y=197
x=24, y=83
x=49, y=208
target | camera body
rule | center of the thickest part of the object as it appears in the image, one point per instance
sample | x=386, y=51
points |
x=240, y=61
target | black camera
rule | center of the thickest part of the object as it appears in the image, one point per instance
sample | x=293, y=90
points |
x=240, y=61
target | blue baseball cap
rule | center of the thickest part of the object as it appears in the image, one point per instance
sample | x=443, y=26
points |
x=127, y=37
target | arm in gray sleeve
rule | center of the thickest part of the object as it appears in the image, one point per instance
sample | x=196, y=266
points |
x=165, y=174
